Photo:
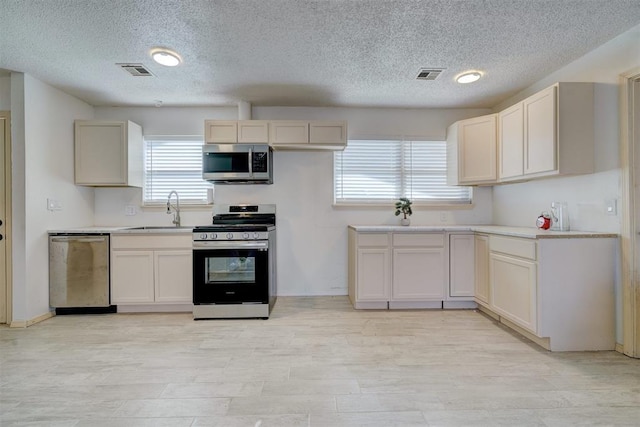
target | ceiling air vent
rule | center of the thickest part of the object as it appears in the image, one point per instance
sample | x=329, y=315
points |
x=136, y=70
x=429, y=73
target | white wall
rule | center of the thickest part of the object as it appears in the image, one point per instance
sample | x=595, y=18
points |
x=5, y=93
x=42, y=168
x=312, y=235
x=520, y=204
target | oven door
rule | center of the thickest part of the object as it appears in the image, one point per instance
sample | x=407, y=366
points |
x=230, y=272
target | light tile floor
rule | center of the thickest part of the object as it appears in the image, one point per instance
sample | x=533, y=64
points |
x=315, y=362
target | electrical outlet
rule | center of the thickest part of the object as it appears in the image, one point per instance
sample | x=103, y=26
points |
x=444, y=216
x=611, y=207
x=53, y=205
x=130, y=210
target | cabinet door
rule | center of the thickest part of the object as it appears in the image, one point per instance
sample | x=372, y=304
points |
x=220, y=131
x=461, y=265
x=173, y=276
x=513, y=290
x=373, y=272
x=253, y=131
x=288, y=132
x=477, y=150
x=540, y=132
x=132, y=277
x=328, y=132
x=418, y=274
x=511, y=142
x=100, y=153
x=482, y=268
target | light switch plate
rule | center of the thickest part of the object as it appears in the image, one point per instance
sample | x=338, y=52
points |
x=130, y=210
x=611, y=207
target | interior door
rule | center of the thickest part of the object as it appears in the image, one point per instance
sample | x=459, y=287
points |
x=4, y=210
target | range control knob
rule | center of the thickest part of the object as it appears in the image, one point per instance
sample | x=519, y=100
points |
x=203, y=236
x=245, y=235
x=256, y=235
x=213, y=236
x=229, y=236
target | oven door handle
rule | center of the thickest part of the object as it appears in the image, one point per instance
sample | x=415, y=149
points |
x=264, y=245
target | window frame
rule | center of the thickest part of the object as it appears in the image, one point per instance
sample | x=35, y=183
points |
x=184, y=203
x=379, y=203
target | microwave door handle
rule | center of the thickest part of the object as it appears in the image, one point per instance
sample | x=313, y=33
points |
x=251, y=162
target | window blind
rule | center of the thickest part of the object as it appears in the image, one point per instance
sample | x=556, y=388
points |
x=175, y=163
x=372, y=171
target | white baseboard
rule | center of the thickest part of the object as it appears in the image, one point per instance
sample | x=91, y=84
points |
x=27, y=323
x=459, y=305
x=155, y=308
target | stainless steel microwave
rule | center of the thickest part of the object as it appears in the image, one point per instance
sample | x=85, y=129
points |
x=237, y=163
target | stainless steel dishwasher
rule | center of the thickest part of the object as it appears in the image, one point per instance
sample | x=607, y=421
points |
x=79, y=273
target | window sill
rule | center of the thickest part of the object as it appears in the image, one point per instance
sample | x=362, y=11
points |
x=414, y=206
x=162, y=207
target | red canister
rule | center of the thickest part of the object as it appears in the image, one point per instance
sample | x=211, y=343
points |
x=544, y=221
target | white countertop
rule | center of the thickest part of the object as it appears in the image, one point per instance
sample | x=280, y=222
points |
x=122, y=230
x=526, y=232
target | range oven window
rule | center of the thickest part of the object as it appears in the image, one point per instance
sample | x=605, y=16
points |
x=236, y=269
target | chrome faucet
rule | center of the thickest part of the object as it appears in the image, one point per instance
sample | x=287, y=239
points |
x=176, y=214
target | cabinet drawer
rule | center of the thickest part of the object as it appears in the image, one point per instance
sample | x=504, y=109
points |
x=418, y=239
x=165, y=241
x=523, y=248
x=377, y=239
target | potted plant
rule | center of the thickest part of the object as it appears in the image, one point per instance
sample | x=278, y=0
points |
x=403, y=206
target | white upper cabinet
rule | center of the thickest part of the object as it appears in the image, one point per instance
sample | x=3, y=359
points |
x=328, y=132
x=471, y=151
x=511, y=142
x=236, y=131
x=220, y=131
x=108, y=153
x=280, y=134
x=253, y=131
x=550, y=133
x=541, y=143
x=288, y=132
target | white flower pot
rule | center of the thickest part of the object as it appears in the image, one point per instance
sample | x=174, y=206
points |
x=405, y=221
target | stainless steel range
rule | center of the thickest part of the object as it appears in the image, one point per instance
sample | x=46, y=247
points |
x=234, y=263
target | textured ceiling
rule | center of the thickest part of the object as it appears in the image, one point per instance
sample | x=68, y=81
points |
x=303, y=53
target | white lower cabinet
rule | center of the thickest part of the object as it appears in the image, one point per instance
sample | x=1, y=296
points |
x=461, y=266
x=481, y=269
x=397, y=270
x=151, y=270
x=418, y=274
x=373, y=272
x=513, y=289
x=170, y=283
x=513, y=280
x=132, y=277
x=559, y=292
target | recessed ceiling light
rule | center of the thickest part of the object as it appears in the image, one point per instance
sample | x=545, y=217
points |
x=165, y=57
x=469, y=77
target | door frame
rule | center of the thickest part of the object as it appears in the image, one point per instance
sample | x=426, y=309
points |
x=6, y=116
x=629, y=146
